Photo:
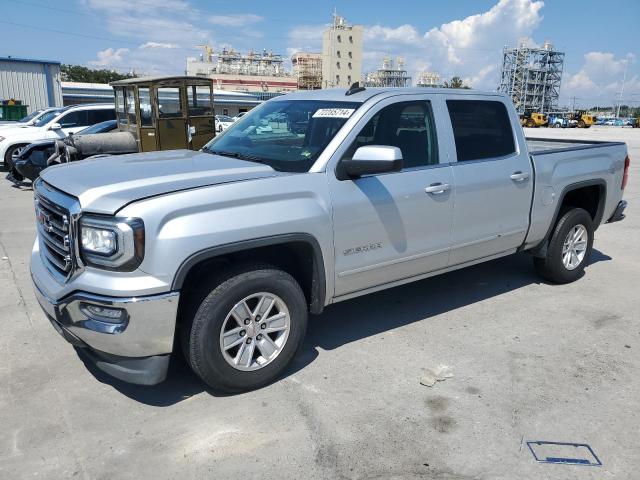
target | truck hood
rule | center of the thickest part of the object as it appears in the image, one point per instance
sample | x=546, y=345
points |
x=106, y=184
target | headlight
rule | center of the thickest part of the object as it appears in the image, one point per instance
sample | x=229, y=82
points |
x=112, y=243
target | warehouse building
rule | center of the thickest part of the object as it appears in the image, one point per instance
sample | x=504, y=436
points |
x=35, y=83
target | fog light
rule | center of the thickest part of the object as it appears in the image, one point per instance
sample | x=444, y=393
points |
x=107, y=314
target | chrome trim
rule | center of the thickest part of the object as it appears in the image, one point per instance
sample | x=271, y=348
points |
x=57, y=217
x=148, y=328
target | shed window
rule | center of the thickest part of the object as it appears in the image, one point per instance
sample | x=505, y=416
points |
x=199, y=99
x=131, y=106
x=146, y=116
x=122, y=118
x=169, y=102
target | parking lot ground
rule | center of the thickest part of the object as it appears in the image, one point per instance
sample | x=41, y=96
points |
x=531, y=361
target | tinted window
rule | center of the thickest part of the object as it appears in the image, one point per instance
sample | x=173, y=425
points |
x=481, y=129
x=77, y=118
x=99, y=116
x=406, y=125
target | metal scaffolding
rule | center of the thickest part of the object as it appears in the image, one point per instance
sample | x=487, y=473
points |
x=307, y=68
x=388, y=75
x=531, y=77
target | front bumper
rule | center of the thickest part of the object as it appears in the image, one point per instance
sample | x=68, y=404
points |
x=618, y=214
x=135, y=348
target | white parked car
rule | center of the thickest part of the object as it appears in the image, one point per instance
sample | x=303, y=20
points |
x=29, y=120
x=52, y=125
x=239, y=116
x=223, y=122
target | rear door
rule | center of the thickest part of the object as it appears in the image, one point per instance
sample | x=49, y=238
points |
x=172, y=122
x=493, y=179
x=392, y=226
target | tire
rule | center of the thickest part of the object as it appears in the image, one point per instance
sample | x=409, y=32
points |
x=552, y=267
x=556, y=125
x=201, y=332
x=8, y=156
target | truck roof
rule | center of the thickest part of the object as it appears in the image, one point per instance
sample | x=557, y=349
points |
x=339, y=94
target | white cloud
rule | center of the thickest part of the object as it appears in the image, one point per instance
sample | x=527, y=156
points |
x=158, y=45
x=237, y=20
x=470, y=47
x=306, y=37
x=109, y=57
x=406, y=34
x=599, y=79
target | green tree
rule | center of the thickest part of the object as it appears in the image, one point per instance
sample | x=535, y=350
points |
x=456, y=82
x=78, y=73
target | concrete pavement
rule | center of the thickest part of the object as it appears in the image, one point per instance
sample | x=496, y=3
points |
x=531, y=361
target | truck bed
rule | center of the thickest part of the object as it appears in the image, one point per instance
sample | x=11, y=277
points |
x=540, y=146
x=559, y=164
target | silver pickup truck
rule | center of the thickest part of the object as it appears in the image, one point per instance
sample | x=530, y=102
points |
x=310, y=199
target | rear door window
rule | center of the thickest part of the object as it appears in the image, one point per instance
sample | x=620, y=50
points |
x=102, y=115
x=481, y=129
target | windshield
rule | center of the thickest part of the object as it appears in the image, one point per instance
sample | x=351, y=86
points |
x=30, y=116
x=46, y=118
x=224, y=118
x=100, y=127
x=287, y=135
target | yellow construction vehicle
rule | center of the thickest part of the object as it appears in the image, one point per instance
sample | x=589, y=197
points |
x=534, y=119
x=585, y=120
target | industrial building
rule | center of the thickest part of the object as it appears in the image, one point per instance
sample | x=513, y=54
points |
x=429, y=79
x=307, y=68
x=389, y=75
x=531, y=77
x=341, y=54
x=35, y=83
x=224, y=102
x=252, y=72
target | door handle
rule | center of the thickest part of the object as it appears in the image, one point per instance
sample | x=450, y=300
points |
x=437, y=188
x=519, y=176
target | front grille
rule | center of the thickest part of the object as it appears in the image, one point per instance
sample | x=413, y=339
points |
x=55, y=213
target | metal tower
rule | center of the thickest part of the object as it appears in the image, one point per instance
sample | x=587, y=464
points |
x=531, y=77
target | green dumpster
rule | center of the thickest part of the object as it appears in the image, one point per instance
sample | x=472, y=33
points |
x=12, y=112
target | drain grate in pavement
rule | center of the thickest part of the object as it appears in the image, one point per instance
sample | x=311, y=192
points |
x=564, y=453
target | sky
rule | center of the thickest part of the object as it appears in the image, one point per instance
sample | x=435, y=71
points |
x=452, y=37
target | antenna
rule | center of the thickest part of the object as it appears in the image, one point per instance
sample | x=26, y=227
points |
x=355, y=88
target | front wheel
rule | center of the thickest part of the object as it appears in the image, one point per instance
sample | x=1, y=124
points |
x=11, y=156
x=569, y=248
x=247, y=329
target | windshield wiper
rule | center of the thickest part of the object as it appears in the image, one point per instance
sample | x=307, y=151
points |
x=239, y=156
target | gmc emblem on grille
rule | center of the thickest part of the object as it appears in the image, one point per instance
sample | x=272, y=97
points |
x=44, y=220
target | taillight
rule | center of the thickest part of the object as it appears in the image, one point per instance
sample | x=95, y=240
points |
x=625, y=175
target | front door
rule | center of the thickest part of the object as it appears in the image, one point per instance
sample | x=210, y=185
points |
x=493, y=180
x=393, y=226
x=172, y=124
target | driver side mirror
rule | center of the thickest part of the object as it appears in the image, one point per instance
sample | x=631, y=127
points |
x=55, y=126
x=373, y=159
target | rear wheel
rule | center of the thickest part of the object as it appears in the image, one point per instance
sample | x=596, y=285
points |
x=569, y=248
x=246, y=329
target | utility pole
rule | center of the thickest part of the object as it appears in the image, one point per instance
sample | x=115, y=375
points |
x=624, y=79
x=574, y=104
